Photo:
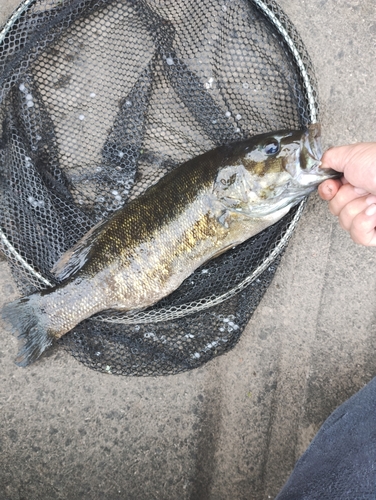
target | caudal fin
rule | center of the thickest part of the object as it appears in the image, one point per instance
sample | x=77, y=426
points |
x=28, y=323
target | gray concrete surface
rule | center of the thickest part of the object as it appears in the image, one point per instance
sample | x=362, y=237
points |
x=234, y=428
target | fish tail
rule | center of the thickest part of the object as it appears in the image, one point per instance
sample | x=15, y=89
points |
x=30, y=324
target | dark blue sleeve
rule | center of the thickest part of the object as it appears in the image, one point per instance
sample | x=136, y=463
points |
x=340, y=463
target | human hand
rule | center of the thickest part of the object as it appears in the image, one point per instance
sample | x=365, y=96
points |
x=353, y=198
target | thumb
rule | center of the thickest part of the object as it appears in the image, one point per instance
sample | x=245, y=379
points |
x=337, y=157
x=356, y=161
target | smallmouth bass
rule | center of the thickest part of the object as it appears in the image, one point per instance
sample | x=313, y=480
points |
x=149, y=247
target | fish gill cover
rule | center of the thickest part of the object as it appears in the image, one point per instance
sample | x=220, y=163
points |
x=99, y=99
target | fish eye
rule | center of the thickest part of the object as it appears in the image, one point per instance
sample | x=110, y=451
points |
x=272, y=148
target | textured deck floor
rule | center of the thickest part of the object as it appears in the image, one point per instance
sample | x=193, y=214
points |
x=234, y=428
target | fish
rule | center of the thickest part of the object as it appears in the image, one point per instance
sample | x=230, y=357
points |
x=145, y=250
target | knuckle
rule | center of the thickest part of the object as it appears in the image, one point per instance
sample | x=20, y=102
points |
x=340, y=200
x=334, y=210
x=344, y=223
x=358, y=237
x=360, y=224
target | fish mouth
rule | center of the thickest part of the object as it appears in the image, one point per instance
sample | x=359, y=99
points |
x=312, y=142
x=311, y=175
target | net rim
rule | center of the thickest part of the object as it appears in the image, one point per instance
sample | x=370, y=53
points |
x=23, y=7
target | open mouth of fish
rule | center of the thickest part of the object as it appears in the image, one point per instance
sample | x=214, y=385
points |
x=310, y=154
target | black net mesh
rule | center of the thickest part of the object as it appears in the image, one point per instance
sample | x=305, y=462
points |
x=99, y=100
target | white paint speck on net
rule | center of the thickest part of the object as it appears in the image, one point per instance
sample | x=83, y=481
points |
x=150, y=335
x=81, y=117
x=35, y=203
x=211, y=345
x=209, y=83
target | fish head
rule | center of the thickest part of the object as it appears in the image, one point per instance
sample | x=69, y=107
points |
x=304, y=167
x=273, y=171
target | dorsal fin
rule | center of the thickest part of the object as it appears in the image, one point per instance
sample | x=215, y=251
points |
x=74, y=259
